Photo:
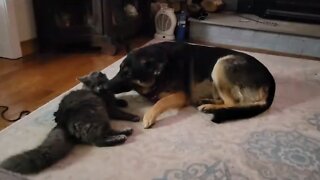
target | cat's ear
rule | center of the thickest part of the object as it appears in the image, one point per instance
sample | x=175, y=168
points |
x=100, y=74
x=103, y=75
x=83, y=79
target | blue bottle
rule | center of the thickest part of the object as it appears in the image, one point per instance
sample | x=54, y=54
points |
x=181, y=26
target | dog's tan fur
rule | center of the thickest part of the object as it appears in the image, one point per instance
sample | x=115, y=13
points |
x=231, y=94
x=168, y=101
x=224, y=94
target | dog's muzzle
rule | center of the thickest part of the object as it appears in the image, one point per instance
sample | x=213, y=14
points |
x=144, y=84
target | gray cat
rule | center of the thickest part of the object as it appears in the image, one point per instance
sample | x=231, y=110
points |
x=82, y=117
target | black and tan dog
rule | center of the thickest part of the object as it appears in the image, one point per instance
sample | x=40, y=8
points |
x=227, y=83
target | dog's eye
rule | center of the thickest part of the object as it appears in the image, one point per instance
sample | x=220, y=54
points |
x=147, y=64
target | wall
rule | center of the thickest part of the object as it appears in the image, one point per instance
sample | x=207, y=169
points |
x=9, y=44
x=25, y=19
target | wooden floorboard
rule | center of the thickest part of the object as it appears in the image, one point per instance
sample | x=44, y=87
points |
x=32, y=81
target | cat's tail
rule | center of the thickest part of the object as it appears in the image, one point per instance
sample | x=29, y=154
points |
x=56, y=146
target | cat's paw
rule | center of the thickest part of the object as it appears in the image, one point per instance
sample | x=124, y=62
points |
x=111, y=140
x=149, y=119
x=127, y=131
x=120, y=139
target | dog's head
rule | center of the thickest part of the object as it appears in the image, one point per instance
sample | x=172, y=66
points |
x=140, y=68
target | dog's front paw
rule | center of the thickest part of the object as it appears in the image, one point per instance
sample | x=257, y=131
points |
x=149, y=119
x=206, y=108
x=135, y=119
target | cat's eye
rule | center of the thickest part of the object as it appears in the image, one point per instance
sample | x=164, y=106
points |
x=129, y=73
x=126, y=72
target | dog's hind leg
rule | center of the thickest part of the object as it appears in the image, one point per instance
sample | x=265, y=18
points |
x=221, y=88
x=240, y=98
x=215, y=99
x=174, y=100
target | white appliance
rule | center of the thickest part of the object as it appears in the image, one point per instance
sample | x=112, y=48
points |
x=165, y=22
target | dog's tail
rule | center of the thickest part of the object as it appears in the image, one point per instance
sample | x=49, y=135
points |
x=234, y=113
x=56, y=146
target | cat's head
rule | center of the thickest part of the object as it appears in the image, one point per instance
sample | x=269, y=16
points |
x=95, y=81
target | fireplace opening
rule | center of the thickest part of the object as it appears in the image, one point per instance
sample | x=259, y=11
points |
x=307, y=11
x=87, y=24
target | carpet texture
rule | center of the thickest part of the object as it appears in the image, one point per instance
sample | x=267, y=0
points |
x=282, y=143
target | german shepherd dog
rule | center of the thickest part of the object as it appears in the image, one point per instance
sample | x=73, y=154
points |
x=230, y=84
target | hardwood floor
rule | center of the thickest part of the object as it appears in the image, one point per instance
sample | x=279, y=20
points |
x=32, y=81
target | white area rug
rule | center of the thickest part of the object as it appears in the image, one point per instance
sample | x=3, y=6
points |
x=282, y=143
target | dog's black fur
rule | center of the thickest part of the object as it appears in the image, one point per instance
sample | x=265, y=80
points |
x=170, y=67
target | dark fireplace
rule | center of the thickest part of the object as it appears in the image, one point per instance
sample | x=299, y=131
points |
x=291, y=10
x=63, y=24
